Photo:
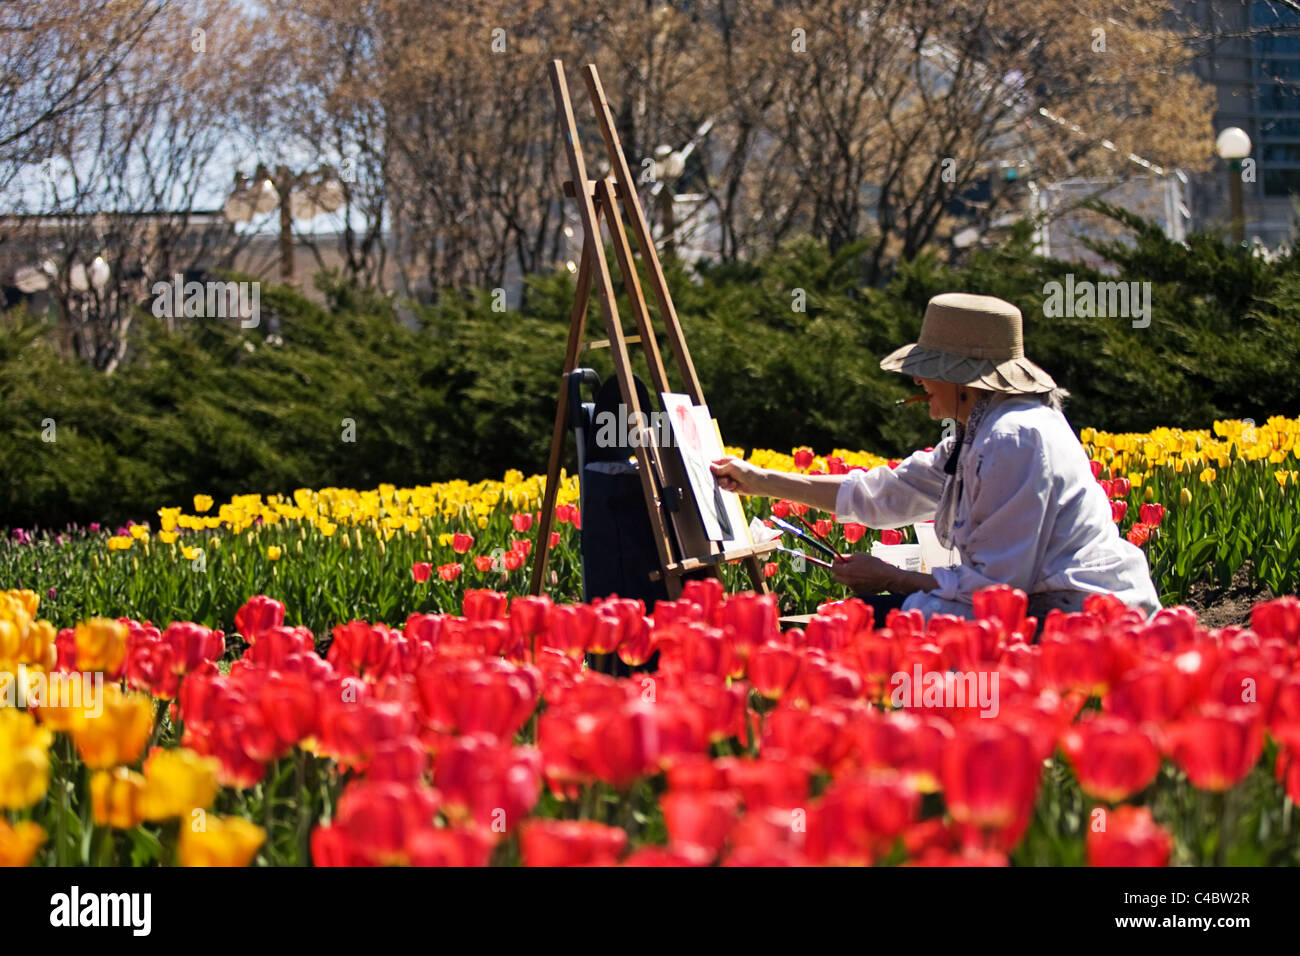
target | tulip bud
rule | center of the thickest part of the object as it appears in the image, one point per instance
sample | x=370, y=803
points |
x=1148, y=494
x=1185, y=497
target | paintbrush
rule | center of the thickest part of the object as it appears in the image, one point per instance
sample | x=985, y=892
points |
x=908, y=401
x=813, y=531
x=807, y=557
x=791, y=529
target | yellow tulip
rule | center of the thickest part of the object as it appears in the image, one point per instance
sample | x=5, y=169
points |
x=119, y=733
x=119, y=542
x=1208, y=475
x=24, y=759
x=167, y=537
x=211, y=840
x=178, y=781
x=273, y=552
x=1185, y=497
x=202, y=503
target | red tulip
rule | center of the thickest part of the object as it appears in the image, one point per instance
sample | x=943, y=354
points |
x=835, y=465
x=853, y=532
x=555, y=539
x=772, y=669
x=1003, y=605
x=483, y=605
x=421, y=570
x=891, y=536
x=767, y=782
x=1120, y=487
x=781, y=508
x=483, y=562
x=257, y=614
x=822, y=527
x=861, y=815
x=1156, y=692
x=460, y=543
x=379, y=819
x=990, y=776
x=513, y=560
x=698, y=820
x=1279, y=618
x=1151, y=514
x=570, y=843
x=1138, y=534
x=1217, y=747
x=564, y=513
x=770, y=568
x=1112, y=757
x=449, y=572
x=522, y=520
x=803, y=457
x=1118, y=510
x=489, y=782
x=1127, y=836
x=360, y=649
x=1096, y=468
x=192, y=644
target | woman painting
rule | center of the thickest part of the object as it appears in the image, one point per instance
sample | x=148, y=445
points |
x=1012, y=489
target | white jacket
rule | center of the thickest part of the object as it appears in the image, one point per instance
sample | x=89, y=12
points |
x=1030, y=514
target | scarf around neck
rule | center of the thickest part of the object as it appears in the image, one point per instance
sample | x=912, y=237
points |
x=946, y=511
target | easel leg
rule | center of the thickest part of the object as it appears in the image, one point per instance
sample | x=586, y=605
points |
x=546, y=520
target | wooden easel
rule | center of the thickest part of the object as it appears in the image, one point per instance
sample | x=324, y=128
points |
x=661, y=471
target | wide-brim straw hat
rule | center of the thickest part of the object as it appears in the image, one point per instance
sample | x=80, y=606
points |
x=971, y=340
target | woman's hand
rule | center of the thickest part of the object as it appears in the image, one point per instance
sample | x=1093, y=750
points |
x=864, y=574
x=737, y=476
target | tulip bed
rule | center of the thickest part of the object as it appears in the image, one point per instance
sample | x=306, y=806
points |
x=483, y=738
x=269, y=731
x=1207, y=506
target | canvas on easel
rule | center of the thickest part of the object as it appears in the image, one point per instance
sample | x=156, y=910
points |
x=687, y=537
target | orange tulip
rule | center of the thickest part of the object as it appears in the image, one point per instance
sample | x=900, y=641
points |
x=117, y=798
x=101, y=645
x=19, y=842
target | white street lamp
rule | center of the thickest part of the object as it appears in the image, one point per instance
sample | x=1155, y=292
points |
x=1233, y=145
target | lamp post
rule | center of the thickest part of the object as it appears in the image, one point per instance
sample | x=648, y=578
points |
x=1233, y=145
x=297, y=195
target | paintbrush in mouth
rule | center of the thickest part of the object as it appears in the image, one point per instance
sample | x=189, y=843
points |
x=923, y=397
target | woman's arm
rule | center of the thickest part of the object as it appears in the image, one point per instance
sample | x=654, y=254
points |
x=816, y=491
